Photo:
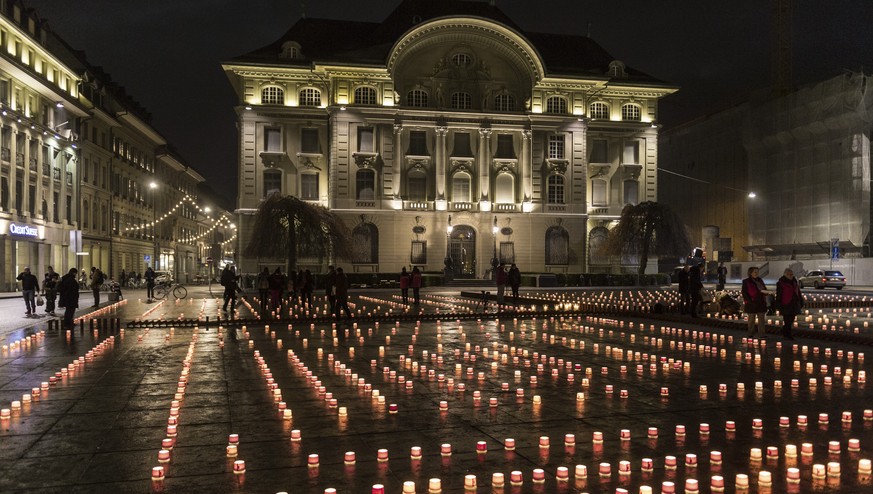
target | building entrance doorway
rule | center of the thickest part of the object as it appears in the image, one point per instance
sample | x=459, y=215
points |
x=462, y=251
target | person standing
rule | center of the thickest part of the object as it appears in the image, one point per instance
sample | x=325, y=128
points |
x=684, y=292
x=342, y=294
x=29, y=287
x=229, y=282
x=415, y=284
x=68, y=288
x=790, y=301
x=308, y=286
x=122, y=278
x=404, y=285
x=695, y=286
x=514, y=280
x=329, y=284
x=97, y=280
x=722, y=276
x=500, y=279
x=263, y=284
x=150, y=283
x=755, y=298
x=49, y=288
x=277, y=284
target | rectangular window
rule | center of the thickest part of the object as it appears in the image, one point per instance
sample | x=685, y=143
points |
x=69, y=205
x=417, y=143
x=461, y=188
x=56, y=205
x=19, y=195
x=599, y=151
x=598, y=192
x=505, y=149
x=631, y=192
x=556, y=147
x=273, y=139
x=507, y=252
x=4, y=91
x=309, y=186
x=272, y=182
x=31, y=198
x=309, y=141
x=417, y=187
x=462, y=146
x=418, y=252
x=631, y=152
x=365, y=140
x=86, y=169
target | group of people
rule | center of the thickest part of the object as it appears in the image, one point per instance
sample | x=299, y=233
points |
x=503, y=277
x=758, y=299
x=690, y=286
x=53, y=284
x=410, y=280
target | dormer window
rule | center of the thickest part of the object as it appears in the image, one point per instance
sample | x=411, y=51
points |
x=290, y=50
x=617, y=69
x=462, y=60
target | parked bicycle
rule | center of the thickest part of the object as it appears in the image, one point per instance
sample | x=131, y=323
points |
x=164, y=289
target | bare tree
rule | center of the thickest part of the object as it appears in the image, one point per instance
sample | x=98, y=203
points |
x=648, y=228
x=287, y=227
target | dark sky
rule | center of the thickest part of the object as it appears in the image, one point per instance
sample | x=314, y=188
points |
x=167, y=52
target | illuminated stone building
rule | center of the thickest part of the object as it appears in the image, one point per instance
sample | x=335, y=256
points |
x=448, y=135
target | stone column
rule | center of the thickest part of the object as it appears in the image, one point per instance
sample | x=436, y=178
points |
x=440, y=156
x=526, y=159
x=484, y=164
x=397, y=177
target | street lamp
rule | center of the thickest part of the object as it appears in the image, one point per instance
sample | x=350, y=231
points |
x=448, y=260
x=494, y=262
x=153, y=186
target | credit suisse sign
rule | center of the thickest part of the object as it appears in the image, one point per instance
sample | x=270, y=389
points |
x=23, y=230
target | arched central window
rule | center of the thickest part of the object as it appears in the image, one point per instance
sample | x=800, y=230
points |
x=365, y=95
x=555, y=189
x=272, y=95
x=416, y=98
x=462, y=60
x=631, y=112
x=365, y=244
x=556, y=104
x=504, y=102
x=310, y=97
x=365, y=184
x=504, y=189
x=462, y=101
x=461, y=187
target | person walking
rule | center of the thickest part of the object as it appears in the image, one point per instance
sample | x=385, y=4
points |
x=755, y=298
x=229, y=282
x=97, y=280
x=695, y=286
x=122, y=278
x=68, y=289
x=514, y=280
x=684, y=292
x=329, y=283
x=29, y=287
x=404, y=285
x=790, y=301
x=150, y=283
x=50, y=290
x=342, y=294
x=263, y=284
x=277, y=284
x=415, y=284
x=721, y=272
x=500, y=279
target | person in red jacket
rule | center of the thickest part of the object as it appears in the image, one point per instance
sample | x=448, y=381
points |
x=790, y=301
x=755, y=298
x=404, y=285
x=415, y=283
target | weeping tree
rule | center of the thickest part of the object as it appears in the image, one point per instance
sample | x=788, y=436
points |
x=648, y=228
x=287, y=227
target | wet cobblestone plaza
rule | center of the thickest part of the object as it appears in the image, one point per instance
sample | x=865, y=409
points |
x=445, y=400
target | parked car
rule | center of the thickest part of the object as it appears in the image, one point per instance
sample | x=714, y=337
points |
x=821, y=278
x=162, y=277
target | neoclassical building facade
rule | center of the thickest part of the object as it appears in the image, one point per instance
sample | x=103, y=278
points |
x=446, y=136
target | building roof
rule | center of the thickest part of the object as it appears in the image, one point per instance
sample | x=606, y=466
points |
x=369, y=43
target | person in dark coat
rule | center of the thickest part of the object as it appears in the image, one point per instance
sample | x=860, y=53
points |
x=684, y=292
x=263, y=284
x=695, y=285
x=29, y=287
x=50, y=289
x=150, y=283
x=277, y=284
x=229, y=280
x=722, y=276
x=514, y=280
x=329, y=283
x=342, y=294
x=404, y=285
x=755, y=298
x=68, y=288
x=790, y=301
x=415, y=284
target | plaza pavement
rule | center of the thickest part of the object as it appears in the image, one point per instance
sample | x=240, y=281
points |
x=604, y=396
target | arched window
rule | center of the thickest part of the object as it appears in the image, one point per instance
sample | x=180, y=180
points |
x=556, y=104
x=462, y=101
x=597, y=246
x=416, y=186
x=504, y=189
x=462, y=60
x=309, y=97
x=365, y=184
x=365, y=95
x=272, y=182
x=365, y=244
x=557, y=245
x=631, y=192
x=598, y=192
x=598, y=110
x=461, y=187
x=555, y=193
x=416, y=98
x=504, y=102
x=631, y=112
x=272, y=95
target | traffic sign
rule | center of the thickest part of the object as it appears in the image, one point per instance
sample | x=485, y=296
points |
x=209, y=260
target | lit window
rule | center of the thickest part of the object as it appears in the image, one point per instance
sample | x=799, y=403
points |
x=416, y=98
x=504, y=189
x=365, y=140
x=365, y=185
x=598, y=110
x=504, y=102
x=461, y=187
x=555, y=189
x=631, y=152
x=462, y=101
x=309, y=186
x=462, y=60
x=365, y=96
x=556, y=104
x=272, y=139
x=310, y=97
x=272, y=95
x=556, y=147
x=631, y=112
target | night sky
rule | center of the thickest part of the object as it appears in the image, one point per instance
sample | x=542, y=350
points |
x=167, y=53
